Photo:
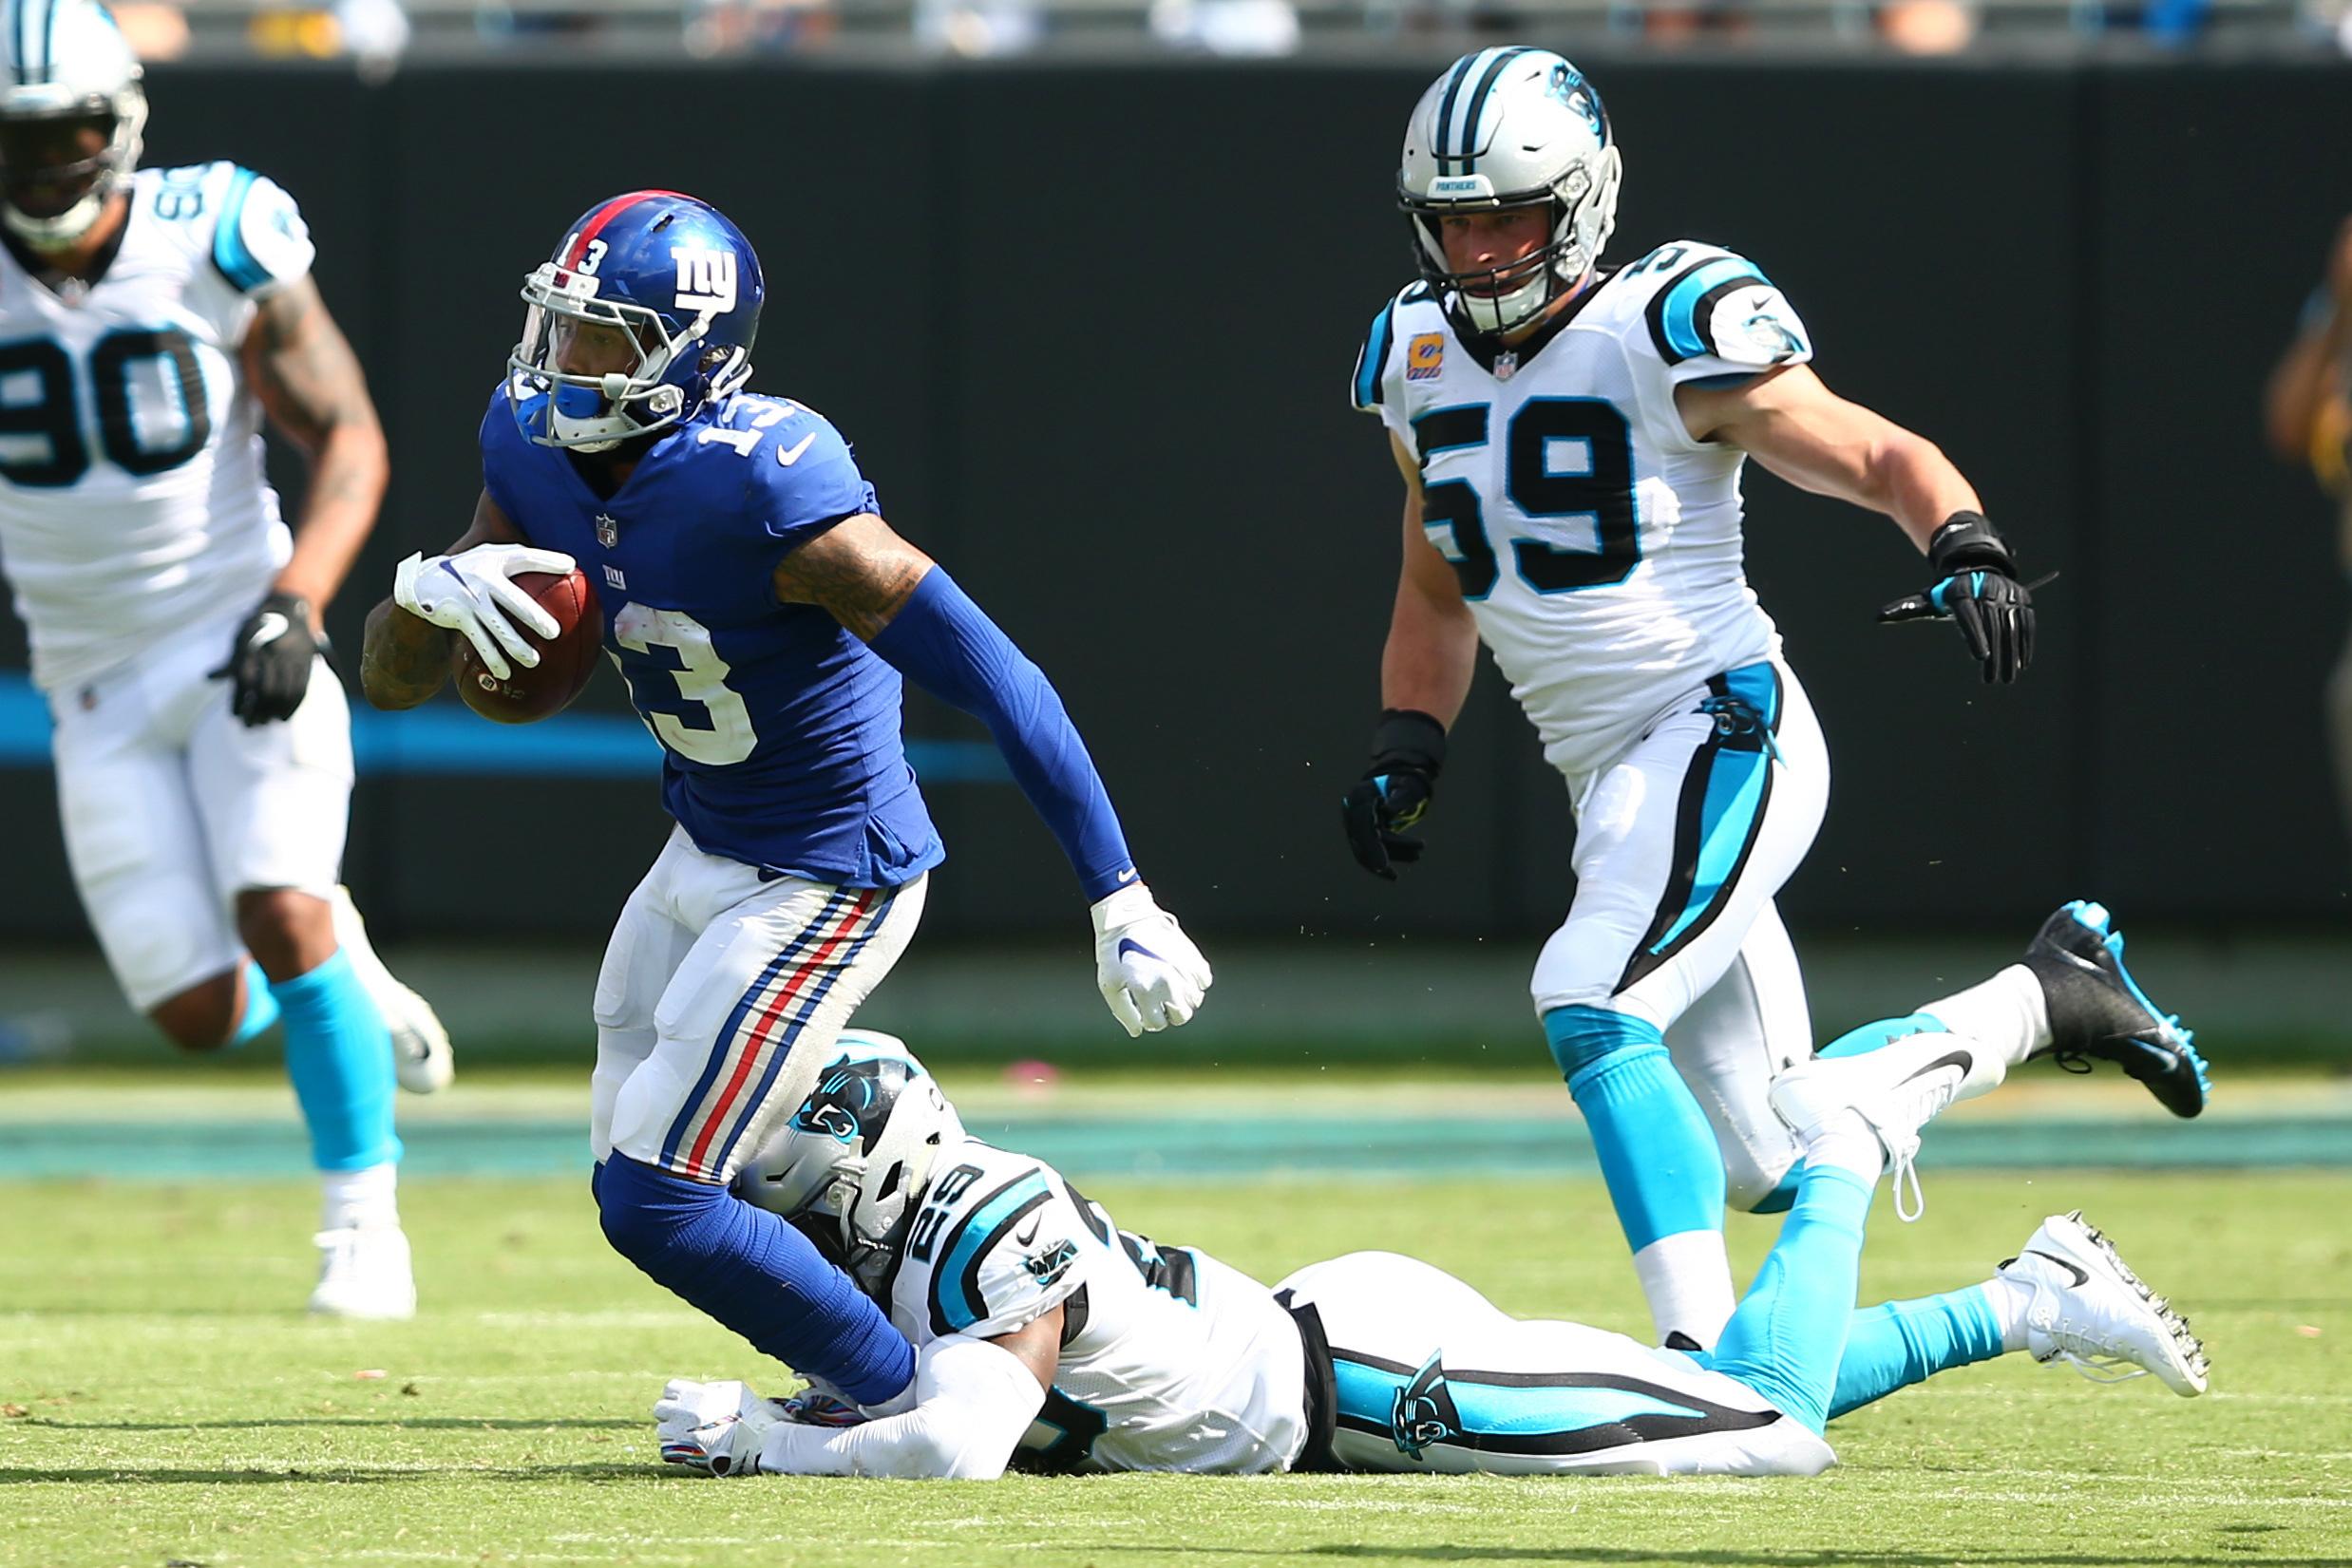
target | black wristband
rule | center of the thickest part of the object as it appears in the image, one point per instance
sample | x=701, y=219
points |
x=1964, y=542
x=1409, y=738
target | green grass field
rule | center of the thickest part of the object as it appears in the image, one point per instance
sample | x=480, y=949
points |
x=167, y=1403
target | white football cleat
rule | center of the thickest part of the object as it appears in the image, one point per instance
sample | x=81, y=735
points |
x=713, y=1428
x=1897, y=1088
x=421, y=1054
x=364, y=1274
x=2092, y=1311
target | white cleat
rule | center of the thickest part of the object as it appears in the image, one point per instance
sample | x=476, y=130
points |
x=2092, y=1311
x=364, y=1274
x=421, y=1054
x=1897, y=1088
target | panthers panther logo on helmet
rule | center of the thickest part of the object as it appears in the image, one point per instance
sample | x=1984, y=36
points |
x=853, y=1100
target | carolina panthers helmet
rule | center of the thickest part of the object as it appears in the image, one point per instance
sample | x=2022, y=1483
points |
x=851, y=1163
x=1511, y=127
x=65, y=69
x=673, y=274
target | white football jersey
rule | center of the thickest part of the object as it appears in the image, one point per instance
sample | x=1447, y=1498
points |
x=1171, y=1360
x=132, y=498
x=1598, y=545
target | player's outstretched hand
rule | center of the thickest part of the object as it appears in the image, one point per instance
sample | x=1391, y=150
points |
x=270, y=661
x=714, y=1428
x=1408, y=752
x=1149, y=972
x=471, y=593
x=1977, y=588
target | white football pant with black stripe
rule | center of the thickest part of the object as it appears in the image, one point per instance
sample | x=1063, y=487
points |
x=1681, y=842
x=1430, y=1376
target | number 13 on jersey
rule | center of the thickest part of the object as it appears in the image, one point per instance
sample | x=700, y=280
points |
x=700, y=676
x=1567, y=471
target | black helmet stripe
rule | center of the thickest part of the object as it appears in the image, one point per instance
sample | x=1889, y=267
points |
x=1478, y=106
x=1445, y=110
x=24, y=40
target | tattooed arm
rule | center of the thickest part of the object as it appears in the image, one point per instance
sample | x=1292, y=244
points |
x=859, y=571
x=310, y=382
x=406, y=658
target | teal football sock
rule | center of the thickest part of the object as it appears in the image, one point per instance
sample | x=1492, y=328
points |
x=339, y=1056
x=1787, y=1340
x=1899, y=1343
x=261, y=1008
x=1861, y=1042
x=1658, y=1156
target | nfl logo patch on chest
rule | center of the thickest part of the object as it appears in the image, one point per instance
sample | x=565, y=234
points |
x=608, y=529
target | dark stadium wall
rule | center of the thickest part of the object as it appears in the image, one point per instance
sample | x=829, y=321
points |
x=1090, y=328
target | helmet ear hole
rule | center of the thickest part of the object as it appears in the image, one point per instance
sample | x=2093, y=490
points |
x=897, y=1174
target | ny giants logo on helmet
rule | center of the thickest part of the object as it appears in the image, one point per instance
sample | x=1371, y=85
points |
x=706, y=278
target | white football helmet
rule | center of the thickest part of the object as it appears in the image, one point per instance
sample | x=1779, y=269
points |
x=850, y=1165
x=65, y=69
x=1511, y=127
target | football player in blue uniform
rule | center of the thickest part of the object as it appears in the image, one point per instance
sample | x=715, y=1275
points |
x=763, y=614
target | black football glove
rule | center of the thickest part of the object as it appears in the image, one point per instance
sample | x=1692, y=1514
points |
x=1408, y=750
x=1976, y=586
x=270, y=662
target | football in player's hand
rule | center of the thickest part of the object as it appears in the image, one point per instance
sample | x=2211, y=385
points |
x=565, y=661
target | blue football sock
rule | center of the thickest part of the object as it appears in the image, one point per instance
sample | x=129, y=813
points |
x=755, y=1274
x=1869, y=1037
x=261, y=1008
x=1663, y=1167
x=339, y=1056
x=1787, y=1341
x=1899, y=1343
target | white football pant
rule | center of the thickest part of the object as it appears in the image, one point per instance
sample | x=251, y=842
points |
x=722, y=992
x=172, y=806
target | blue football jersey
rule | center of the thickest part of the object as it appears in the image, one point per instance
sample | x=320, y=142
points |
x=779, y=731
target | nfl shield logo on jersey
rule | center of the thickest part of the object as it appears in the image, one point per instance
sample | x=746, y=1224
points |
x=608, y=529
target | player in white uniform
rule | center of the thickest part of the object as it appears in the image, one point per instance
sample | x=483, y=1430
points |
x=1047, y=1338
x=1571, y=441
x=147, y=321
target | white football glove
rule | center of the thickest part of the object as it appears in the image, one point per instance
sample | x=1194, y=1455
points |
x=1149, y=972
x=470, y=593
x=713, y=1428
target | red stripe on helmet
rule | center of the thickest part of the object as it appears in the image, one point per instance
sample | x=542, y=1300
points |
x=604, y=214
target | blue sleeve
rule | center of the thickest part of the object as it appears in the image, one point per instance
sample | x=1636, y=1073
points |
x=500, y=435
x=947, y=645
x=801, y=476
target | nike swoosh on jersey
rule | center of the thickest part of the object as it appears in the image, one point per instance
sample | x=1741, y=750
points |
x=1022, y=1238
x=790, y=455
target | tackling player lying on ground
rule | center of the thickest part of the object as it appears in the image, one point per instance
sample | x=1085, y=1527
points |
x=762, y=612
x=1572, y=439
x=1052, y=1339
x=202, y=743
